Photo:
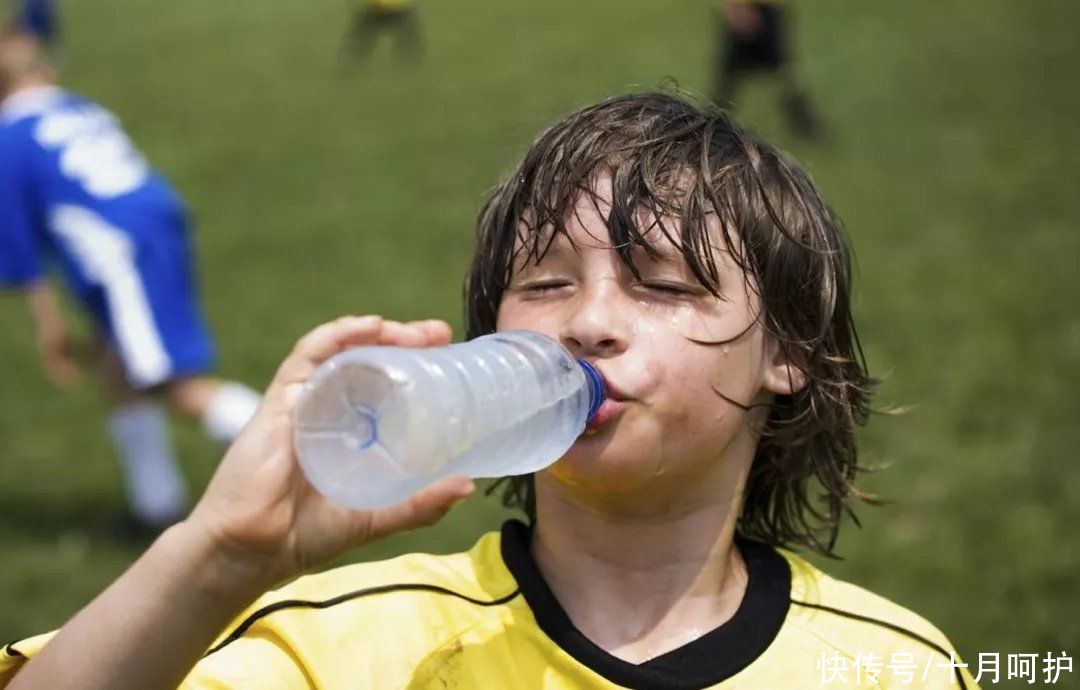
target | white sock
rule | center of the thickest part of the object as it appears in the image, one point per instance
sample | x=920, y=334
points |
x=156, y=490
x=232, y=407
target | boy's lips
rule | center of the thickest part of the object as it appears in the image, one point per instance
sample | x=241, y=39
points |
x=613, y=404
x=611, y=390
x=608, y=410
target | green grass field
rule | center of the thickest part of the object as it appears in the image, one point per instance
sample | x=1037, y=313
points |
x=321, y=191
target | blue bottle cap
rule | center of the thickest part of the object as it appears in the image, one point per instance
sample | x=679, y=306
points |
x=596, y=387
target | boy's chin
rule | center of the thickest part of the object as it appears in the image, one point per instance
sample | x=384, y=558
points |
x=600, y=463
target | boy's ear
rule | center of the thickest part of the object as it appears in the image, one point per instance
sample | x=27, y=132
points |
x=781, y=375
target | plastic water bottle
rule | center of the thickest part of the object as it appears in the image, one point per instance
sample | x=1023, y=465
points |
x=376, y=424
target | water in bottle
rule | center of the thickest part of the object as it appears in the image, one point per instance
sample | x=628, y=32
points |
x=376, y=424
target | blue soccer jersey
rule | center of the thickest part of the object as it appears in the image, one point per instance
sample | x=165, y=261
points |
x=74, y=191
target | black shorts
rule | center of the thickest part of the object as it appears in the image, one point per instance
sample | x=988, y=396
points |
x=766, y=50
x=387, y=15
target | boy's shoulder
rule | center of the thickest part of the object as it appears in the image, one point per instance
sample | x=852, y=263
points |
x=412, y=590
x=856, y=621
x=394, y=611
x=384, y=616
x=458, y=587
x=471, y=574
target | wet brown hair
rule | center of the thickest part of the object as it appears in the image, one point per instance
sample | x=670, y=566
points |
x=674, y=159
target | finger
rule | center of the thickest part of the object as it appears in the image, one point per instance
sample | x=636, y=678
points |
x=438, y=331
x=403, y=334
x=426, y=507
x=325, y=341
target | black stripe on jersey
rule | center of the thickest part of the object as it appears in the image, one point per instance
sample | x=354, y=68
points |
x=349, y=596
x=891, y=626
x=10, y=649
x=707, y=661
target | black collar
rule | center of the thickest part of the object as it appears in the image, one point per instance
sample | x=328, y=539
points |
x=708, y=660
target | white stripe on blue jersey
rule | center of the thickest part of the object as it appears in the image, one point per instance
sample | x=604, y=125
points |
x=105, y=253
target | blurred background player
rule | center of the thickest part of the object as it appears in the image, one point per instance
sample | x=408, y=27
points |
x=40, y=19
x=755, y=37
x=74, y=192
x=374, y=17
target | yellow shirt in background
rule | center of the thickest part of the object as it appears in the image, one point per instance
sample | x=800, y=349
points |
x=385, y=5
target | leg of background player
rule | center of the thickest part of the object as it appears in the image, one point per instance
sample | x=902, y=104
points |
x=223, y=407
x=797, y=108
x=794, y=100
x=738, y=25
x=360, y=38
x=139, y=427
x=409, y=41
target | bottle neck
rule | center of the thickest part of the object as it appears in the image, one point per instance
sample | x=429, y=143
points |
x=596, y=387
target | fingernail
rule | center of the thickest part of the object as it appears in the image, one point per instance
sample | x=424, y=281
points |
x=465, y=487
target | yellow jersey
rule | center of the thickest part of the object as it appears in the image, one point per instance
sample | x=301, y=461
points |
x=485, y=619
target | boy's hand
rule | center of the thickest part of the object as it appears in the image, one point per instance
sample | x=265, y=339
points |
x=260, y=509
x=53, y=339
x=57, y=357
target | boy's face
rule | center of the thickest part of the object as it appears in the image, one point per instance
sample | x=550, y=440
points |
x=666, y=417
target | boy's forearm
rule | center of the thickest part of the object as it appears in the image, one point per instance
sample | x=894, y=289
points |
x=43, y=304
x=151, y=626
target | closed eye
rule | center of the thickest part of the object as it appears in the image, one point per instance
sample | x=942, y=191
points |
x=671, y=289
x=544, y=287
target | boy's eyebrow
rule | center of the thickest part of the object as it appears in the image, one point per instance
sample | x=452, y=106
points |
x=531, y=250
x=659, y=252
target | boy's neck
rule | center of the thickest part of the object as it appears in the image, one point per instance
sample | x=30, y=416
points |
x=639, y=587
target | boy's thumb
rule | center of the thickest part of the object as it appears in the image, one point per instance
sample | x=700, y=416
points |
x=426, y=507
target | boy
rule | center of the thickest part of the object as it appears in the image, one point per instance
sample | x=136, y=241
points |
x=705, y=278
x=74, y=191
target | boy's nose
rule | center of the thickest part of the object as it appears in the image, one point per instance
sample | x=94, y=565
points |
x=595, y=323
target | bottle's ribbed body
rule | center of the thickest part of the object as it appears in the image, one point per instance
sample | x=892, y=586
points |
x=376, y=424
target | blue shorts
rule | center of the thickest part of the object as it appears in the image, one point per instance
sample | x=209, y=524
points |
x=137, y=285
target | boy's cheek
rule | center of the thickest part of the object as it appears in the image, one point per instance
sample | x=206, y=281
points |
x=514, y=314
x=655, y=372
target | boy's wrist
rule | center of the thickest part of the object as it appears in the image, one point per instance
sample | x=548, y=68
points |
x=218, y=570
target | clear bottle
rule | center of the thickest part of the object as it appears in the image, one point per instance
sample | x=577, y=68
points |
x=376, y=424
